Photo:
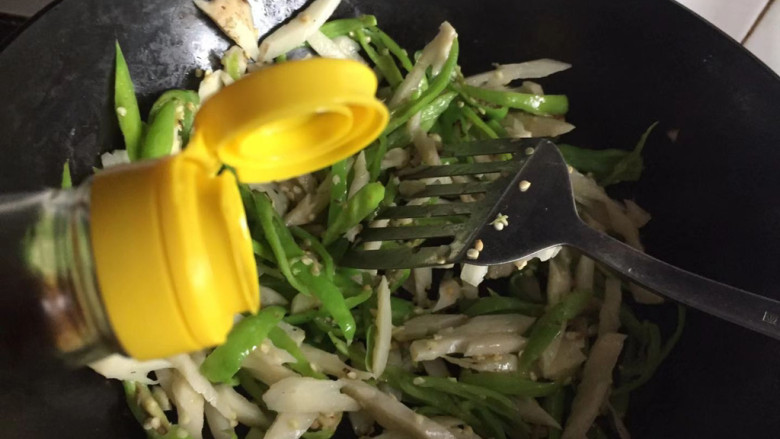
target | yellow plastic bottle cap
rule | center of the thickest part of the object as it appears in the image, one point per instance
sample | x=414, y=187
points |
x=172, y=249
x=291, y=119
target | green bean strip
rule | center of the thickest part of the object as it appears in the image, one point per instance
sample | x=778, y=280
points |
x=402, y=114
x=541, y=105
x=224, y=361
x=549, y=326
x=383, y=62
x=66, y=182
x=126, y=107
x=510, y=383
x=319, y=249
x=338, y=189
x=337, y=28
x=401, y=54
x=503, y=305
x=555, y=405
x=362, y=204
x=281, y=340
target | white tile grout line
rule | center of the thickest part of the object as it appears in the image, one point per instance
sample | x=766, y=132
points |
x=757, y=21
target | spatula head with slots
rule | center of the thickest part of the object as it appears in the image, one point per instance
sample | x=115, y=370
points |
x=482, y=212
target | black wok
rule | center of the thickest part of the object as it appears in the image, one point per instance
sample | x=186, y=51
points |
x=713, y=192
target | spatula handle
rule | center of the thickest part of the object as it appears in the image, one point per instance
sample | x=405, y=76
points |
x=752, y=311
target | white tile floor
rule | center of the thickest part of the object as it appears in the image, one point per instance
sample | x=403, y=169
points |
x=755, y=23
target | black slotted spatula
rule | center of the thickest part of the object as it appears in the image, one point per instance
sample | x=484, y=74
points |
x=527, y=209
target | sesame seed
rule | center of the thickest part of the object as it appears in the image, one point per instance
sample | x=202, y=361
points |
x=524, y=185
x=418, y=381
x=498, y=226
x=418, y=310
x=297, y=190
x=336, y=179
x=529, y=151
x=352, y=375
x=472, y=253
x=520, y=264
x=437, y=337
x=461, y=104
x=419, y=419
x=479, y=245
x=570, y=169
x=122, y=111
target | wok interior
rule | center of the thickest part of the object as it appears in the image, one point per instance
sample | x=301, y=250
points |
x=710, y=192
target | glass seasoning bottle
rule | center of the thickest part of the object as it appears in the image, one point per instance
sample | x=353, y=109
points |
x=154, y=258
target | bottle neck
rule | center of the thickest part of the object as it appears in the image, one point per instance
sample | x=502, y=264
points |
x=49, y=270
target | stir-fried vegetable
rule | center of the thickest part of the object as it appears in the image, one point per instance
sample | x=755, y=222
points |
x=423, y=353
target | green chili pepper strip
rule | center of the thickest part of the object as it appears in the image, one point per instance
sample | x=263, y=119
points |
x=262, y=251
x=254, y=388
x=503, y=305
x=549, y=326
x=555, y=405
x=599, y=162
x=308, y=316
x=428, y=116
x=510, y=383
x=383, y=62
x=402, y=114
x=393, y=47
x=338, y=189
x=332, y=300
x=319, y=249
x=66, y=182
x=542, y=105
x=337, y=28
x=321, y=434
x=231, y=62
x=188, y=100
x=224, y=361
x=281, y=340
x=162, y=131
x=362, y=204
x=377, y=152
x=491, y=423
x=265, y=214
x=656, y=353
x=480, y=395
x=496, y=126
x=479, y=123
x=126, y=106
x=137, y=392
